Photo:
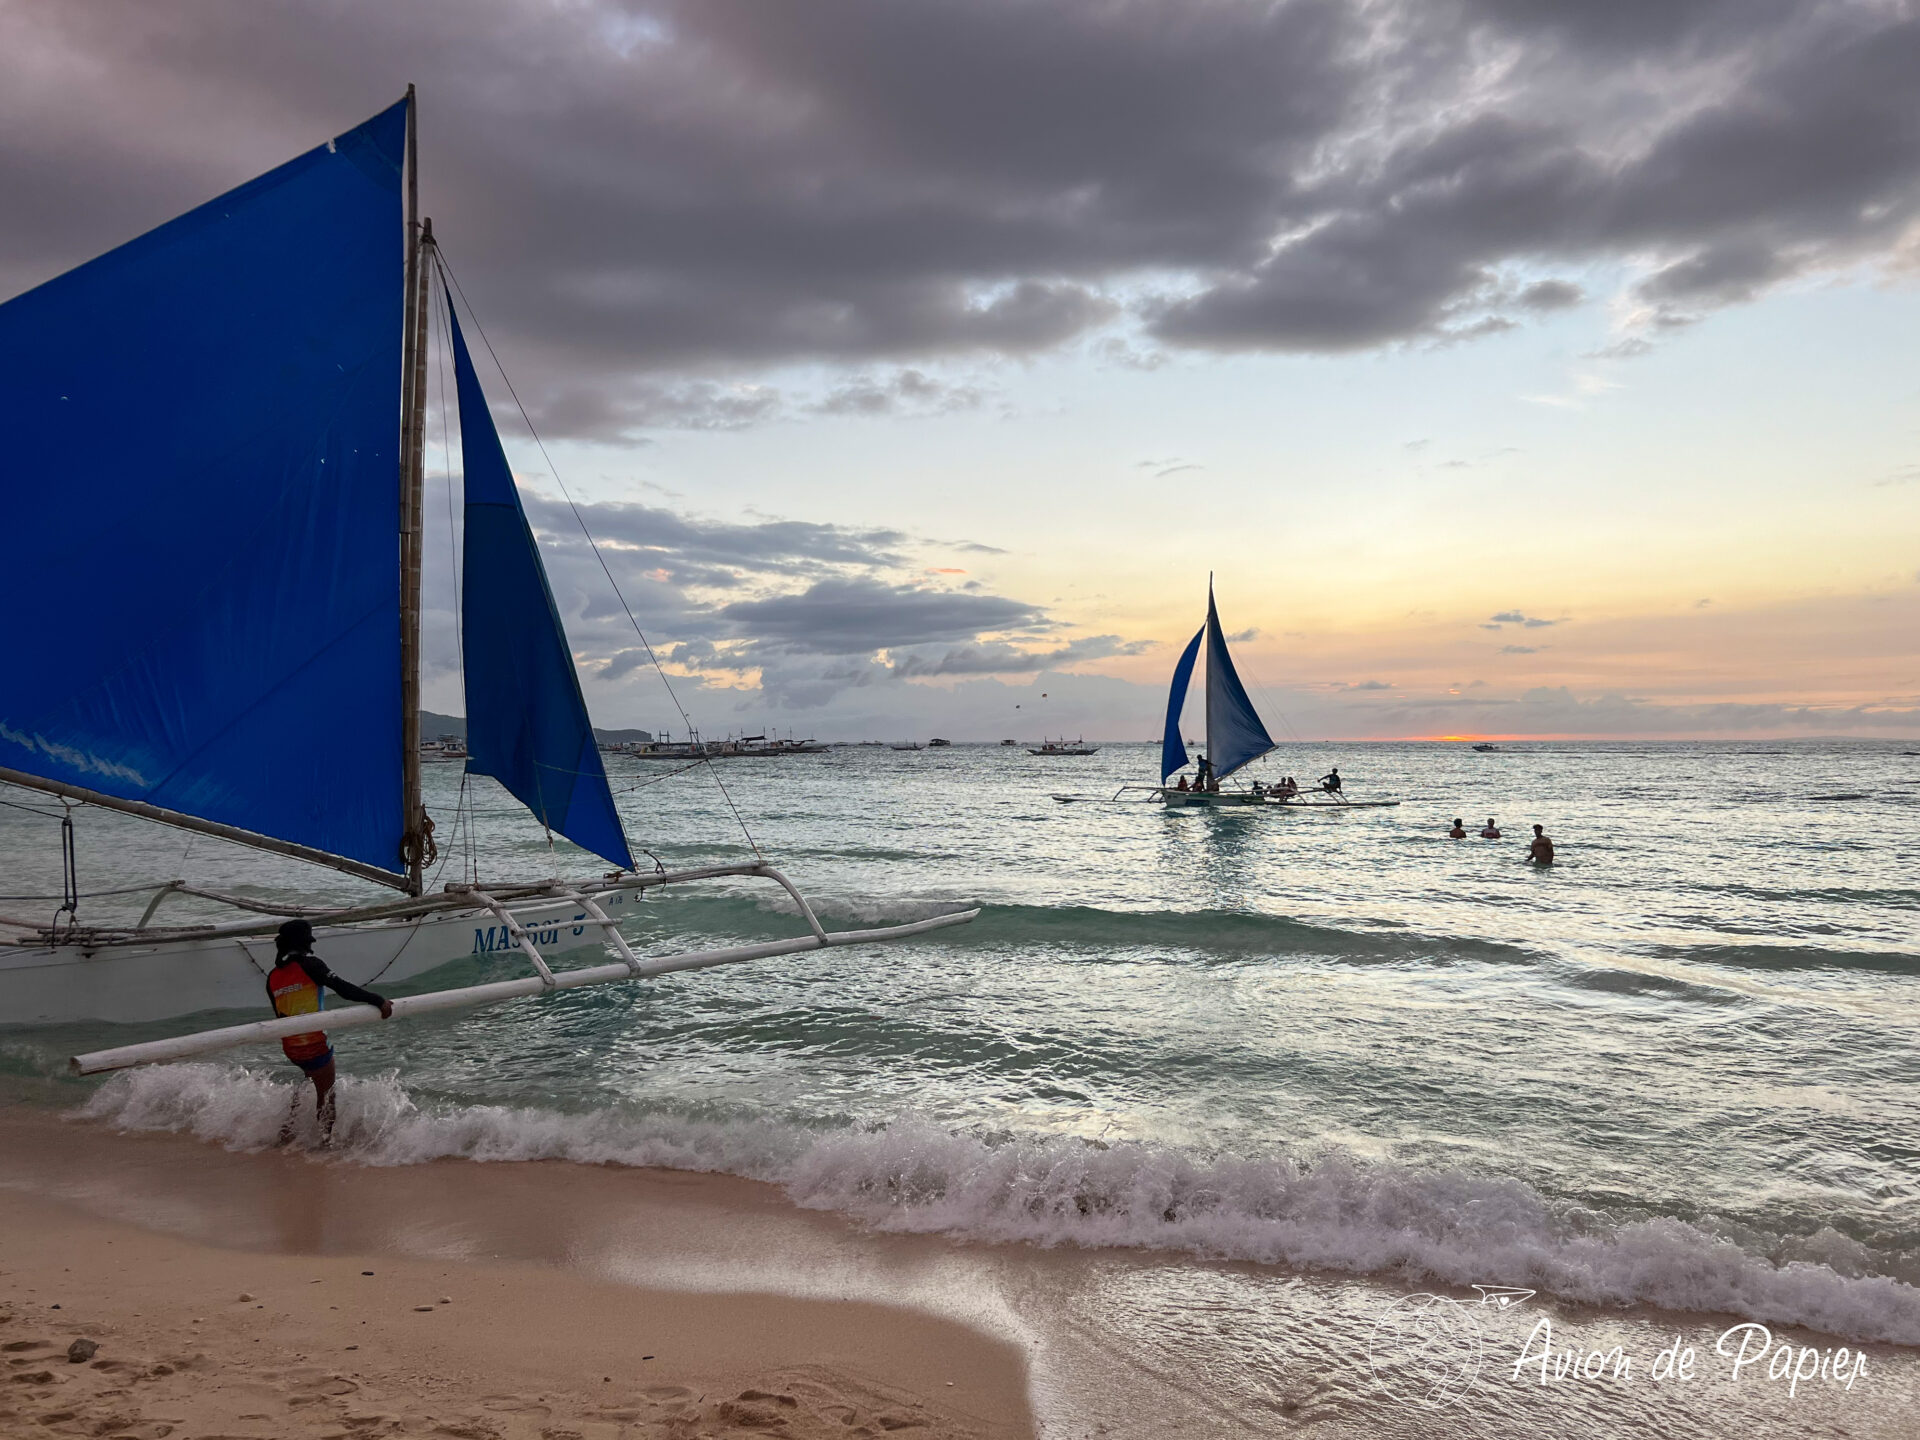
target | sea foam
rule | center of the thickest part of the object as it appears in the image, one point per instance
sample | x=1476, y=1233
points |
x=1327, y=1211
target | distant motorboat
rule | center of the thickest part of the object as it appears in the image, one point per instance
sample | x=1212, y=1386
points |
x=1014, y=743
x=1063, y=747
x=938, y=744
x=910, y=745
x=1485, y=749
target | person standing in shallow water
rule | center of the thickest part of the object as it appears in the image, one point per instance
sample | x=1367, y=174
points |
x=1540, y=852
x=1459, y=831
x=297, y=985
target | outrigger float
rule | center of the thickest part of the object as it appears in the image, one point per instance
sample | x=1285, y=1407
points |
x=233, y=406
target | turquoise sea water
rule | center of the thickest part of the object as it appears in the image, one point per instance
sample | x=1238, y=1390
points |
x=1680, y=1067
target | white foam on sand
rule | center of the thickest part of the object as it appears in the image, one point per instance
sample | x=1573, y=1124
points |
x=1330, y=1211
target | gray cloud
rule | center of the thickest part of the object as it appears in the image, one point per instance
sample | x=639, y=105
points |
x=1544, y=295
x=684, y=538
x=909, y=392
x=718, y=186
x=860, y=616
x=1515, y=617
x=1520, y=649
x=999, y=658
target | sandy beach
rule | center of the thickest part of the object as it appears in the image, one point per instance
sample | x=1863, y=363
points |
x=108, y=1328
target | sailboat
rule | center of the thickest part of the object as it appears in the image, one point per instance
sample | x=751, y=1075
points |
x=1235, y=735
x=215, y=441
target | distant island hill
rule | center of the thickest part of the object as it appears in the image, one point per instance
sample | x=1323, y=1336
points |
x=435, y=726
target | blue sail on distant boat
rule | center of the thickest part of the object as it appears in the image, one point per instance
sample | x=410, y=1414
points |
x=1236, y=736
x=1173, y=750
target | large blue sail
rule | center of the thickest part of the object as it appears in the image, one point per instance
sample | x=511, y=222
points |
x=527, y=724
x=1235, y=735
x=1173, y=750
x=201, y=462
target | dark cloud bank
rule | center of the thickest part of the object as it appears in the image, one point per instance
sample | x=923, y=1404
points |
x=654, y=203
x=645, y=196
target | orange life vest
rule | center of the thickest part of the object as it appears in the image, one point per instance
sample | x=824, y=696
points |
x=294, y=992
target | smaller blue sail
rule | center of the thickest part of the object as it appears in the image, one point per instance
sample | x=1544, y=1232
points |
x=1235, y=734
x=1173, y=750
x=527, y=724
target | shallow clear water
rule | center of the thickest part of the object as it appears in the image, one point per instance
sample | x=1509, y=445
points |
x=1679, y=1060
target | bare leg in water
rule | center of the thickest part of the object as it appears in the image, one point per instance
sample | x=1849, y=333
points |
x=322, y=1103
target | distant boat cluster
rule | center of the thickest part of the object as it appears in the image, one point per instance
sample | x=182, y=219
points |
x=746, y=747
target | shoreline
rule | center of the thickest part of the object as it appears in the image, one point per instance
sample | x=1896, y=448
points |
x=1062, y=1342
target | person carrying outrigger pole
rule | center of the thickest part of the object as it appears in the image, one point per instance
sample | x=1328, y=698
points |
x=294, y=986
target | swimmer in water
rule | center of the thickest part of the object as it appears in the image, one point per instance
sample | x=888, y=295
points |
x=1459, y=831
x=1492, y=832
x=1540, y=852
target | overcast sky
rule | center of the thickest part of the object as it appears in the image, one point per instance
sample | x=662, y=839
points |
x=1517, y=366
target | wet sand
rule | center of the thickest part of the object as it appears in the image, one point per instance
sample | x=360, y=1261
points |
x=558, y=1279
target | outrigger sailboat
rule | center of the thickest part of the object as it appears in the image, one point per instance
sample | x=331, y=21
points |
x=225, y=418
x=1236, y=737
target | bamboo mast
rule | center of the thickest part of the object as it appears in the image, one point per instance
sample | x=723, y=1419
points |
x=413, y=365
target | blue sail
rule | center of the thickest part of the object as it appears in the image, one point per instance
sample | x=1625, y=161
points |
x=1173, y=750
x=1235, y=735
x=527, y=724
x=201, y=462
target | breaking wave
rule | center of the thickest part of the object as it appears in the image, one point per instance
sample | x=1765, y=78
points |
x=1328, y=1210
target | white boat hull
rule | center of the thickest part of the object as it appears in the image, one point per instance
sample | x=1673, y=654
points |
x=64, y=984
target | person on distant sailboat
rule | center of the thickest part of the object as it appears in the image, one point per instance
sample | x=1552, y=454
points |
x=294, y=985
x=1330, y=782
x=1203, y=775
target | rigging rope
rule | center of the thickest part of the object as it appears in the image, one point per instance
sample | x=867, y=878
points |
x=605, y=569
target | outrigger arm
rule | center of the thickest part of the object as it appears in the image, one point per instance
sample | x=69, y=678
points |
x=630, y=967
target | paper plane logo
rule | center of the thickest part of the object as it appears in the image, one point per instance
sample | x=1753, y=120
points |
x=1501, y=1296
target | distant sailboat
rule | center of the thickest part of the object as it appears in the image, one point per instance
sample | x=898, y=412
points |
x=1236, y=736
x=227, y=413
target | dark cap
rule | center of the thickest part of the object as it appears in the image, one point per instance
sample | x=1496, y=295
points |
x=295, y=936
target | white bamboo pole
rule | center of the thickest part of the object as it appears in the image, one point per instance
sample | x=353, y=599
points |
x=205, y=1042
